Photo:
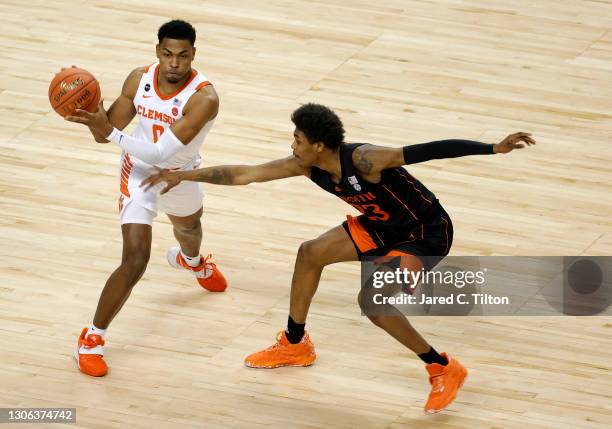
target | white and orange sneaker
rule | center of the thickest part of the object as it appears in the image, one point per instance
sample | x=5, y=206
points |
x=88, y=354
x=207, y=274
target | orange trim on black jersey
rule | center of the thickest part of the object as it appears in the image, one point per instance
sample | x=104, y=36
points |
x=363, y=240
x=446, y=234
x=382, y=242
x=415, y=263
x=404, y=204
x=194, y=73
x=413, y=185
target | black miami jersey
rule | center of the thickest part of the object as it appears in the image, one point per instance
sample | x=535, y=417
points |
x=398, y=212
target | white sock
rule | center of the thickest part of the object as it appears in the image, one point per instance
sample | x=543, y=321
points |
x=192, y=261
x=96, y=331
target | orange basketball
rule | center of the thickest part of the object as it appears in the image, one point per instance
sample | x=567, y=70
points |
x=72, y=89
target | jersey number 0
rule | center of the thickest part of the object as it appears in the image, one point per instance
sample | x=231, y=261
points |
x=158, y=130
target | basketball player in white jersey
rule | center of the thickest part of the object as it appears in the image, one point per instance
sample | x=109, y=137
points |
x=176, y=108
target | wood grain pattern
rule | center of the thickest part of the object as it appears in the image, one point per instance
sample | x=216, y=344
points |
x=397, y=72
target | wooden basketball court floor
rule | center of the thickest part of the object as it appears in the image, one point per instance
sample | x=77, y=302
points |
x=397, y=72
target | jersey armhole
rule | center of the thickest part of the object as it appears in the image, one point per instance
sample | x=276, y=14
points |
x=202, y=85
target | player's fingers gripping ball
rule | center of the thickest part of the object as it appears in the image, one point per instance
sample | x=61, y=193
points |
x=74, y=88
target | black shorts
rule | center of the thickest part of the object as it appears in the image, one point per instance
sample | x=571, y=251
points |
x=430, y=241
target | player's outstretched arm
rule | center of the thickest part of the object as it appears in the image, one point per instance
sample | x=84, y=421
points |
x=370, y=159
x=230, y=174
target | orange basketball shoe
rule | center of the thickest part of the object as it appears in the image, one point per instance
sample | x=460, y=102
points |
x=207, y=274
x=445, y=382
x=283, y=353
x=88, y=354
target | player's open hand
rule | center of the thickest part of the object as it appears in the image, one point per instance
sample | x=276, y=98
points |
x=172, y=178
x=514, y=141
x=97, y=121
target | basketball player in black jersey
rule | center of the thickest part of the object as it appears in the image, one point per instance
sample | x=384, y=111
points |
x=399, y=217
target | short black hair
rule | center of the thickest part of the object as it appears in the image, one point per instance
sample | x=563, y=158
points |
x=177, y=29
x=320, y=124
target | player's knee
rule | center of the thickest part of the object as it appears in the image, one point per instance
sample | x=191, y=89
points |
x=136, y=262
x=377, y=320
x=360, y=299
x=363, y=298
x=309, y=253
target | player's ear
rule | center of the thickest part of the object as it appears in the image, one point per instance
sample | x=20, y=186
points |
x=158, y=51
x=194, y=51
x=320, y=146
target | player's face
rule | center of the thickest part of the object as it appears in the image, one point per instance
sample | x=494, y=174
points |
x=304, y=151
x=175, y=57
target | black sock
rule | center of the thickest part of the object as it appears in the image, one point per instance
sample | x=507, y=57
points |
x=432, y=356
x=295, y=331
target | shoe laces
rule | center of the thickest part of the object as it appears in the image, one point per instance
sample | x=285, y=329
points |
x=437, y=383
x=90, y=342
x=207, y=261
x=277, y=344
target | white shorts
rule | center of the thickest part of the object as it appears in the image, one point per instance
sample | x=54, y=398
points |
x=138, y=206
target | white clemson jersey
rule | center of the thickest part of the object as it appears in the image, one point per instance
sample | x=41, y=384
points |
x=157, y=112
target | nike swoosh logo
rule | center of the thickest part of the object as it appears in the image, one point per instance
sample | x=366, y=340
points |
x=147, y=96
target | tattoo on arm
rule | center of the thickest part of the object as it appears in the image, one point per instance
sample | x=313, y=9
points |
x=364, y=165
x=215, y=175
x=221, y=176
